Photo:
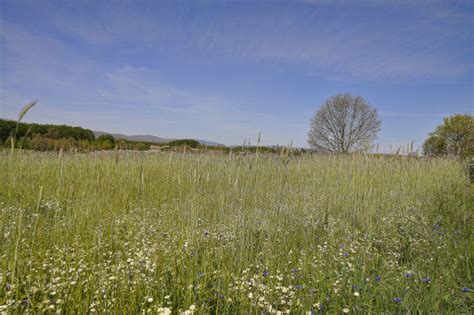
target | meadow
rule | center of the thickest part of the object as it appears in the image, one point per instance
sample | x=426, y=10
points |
x=169, y=233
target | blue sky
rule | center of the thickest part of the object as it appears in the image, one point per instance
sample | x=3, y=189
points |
x=225, y=70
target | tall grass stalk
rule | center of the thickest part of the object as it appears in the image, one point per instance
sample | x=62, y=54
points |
x=21, y=115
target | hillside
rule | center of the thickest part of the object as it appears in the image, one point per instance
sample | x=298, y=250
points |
x=149, y=138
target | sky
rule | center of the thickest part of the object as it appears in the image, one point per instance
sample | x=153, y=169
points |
x=224, y=71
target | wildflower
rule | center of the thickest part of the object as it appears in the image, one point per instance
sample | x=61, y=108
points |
x=356, y=294
x=150, y=299
x=397, y=299
x=299, y=287
x=265, y=273
x=378, y=278
x=465, y=290
x=408, y=274
x=320, y=307
x=426, y=280
x=250, y=295
x=192, y=307
x=164, y=311
x=345, y=310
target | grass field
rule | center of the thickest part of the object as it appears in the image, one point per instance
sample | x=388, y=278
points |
x=235, y=235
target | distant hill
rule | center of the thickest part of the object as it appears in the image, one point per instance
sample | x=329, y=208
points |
x=144, y=138
x=150, y=138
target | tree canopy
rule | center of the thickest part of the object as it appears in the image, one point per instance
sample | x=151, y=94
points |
x=454, y=137
x=188, y=142
x=7, y=128
x=344, y=123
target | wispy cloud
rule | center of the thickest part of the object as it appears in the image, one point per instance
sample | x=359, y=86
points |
x=402, y=40
x=413, y=115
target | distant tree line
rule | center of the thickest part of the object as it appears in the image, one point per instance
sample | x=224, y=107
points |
x=46, y=137
x=7, y=128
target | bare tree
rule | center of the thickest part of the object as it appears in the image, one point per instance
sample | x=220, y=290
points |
x=344, y=123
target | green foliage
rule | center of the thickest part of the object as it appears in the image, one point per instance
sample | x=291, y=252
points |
x=106, y=137
x=7, y=129
x=105, y=142
x=187, y=142
x=454, y=137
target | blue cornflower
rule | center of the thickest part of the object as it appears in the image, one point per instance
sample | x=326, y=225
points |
x=320, y=307
x=426, y=280
x=397, y=299
x=265, y=273
x=465, y=290
x=345, y=254
x=408, y=275
x=294, y=270
x=299, y=287
x=378, y=278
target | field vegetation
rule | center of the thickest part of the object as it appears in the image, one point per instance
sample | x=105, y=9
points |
x=169, y=233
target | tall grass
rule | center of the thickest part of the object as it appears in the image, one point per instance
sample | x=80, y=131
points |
x=237, y=235
x=25, y=109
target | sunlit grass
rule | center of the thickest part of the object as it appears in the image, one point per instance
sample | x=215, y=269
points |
x=237, y=235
